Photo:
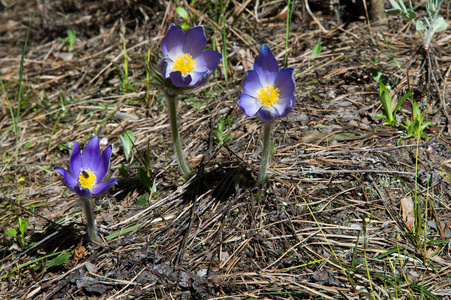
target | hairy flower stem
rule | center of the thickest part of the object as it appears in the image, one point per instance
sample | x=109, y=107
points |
x=91, y=226
x=171, y=98
x=262, y=176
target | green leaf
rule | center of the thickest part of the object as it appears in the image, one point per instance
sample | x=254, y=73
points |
x=395, y=5
x=11, y=232
x=23, y=224
x=59, y=260
x=127, y=141
x=121, y=232
x=419, y=25
x=401, y=101
x=182, y=13
x=393, y=12
x=71, y=37
x=386, y=101
x=142, y=200
x=316, y=49
x=27, y=145
x=185, y=27
x=439, y=25
x=228, y=137
x=411, y=14
x=142, y=175
x=380, y=116
x=122, y=170
x=376, y=74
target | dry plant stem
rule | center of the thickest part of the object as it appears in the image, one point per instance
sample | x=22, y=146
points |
x=262, y=174
x=91, y=226
x=171, y=98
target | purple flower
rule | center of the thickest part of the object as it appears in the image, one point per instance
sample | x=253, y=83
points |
x=184, y=62
x=266, y=91
x=88, y=171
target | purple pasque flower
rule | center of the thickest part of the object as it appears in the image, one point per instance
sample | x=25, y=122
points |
x=266, y=91
x=185, y=62
x=88, y=170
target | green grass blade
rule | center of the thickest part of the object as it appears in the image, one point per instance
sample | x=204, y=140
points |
x=10, y=107
x=224, y=42
x=289, y=12
x=19, y=98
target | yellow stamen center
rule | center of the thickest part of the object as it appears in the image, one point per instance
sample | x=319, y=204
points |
x=268, y=95
x=87, y=179
x=184, y=63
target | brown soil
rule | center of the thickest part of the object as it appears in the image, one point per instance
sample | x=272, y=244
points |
x=328, y=225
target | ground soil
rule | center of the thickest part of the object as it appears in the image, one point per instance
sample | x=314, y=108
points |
x=333, y=222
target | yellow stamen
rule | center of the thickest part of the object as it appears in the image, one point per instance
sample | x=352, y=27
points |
x=184, y=63
x=268, y=95
x=87, y=179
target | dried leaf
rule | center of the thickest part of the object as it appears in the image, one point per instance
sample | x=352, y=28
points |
x=408, y=216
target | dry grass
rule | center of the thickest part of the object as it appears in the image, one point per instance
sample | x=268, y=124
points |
x=328, y=225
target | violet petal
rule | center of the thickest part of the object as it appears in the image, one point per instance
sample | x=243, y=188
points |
x=285, y=82
x=199, y=78
x=266, y=67
x=163, y=66
x=252, y=84
x=82, y=192
x=249, y=105
x=179, y=80
x=285, y=105
x=172, y=43
x=91, y=154
x=75, y=160
x=208, y=60
x=195, y=41
x=104, y=163
x=102, y=187
x=71, y=181
x=265, y=115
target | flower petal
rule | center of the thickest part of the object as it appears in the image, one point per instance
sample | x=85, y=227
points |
x=266, y=67
x=195, y=41
x=265, y=115
x=71, y=181
x=102, y=187
x=165, y=66
x=172, y=43
x=285, y=105
x=252, y=84
x=91, y=154
x=249, y=105
x=199, y=78
x=208, y=60
x=179, y=80
x=75, y=161
x=82, y=192
x=285, y=82
x=104, y=163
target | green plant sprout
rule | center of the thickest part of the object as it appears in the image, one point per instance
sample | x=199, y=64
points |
x=127, y=142
x=219, y=134
x=389, y=112
x=70, y=40
x=431, y=24
x=123, y=74
x=415, y=126
x=22, y=225
x=184, y=15
x=316, y=50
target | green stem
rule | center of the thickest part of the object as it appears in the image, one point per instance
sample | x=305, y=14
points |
x=91, y=226
x=171, y=98
x=262, y=176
